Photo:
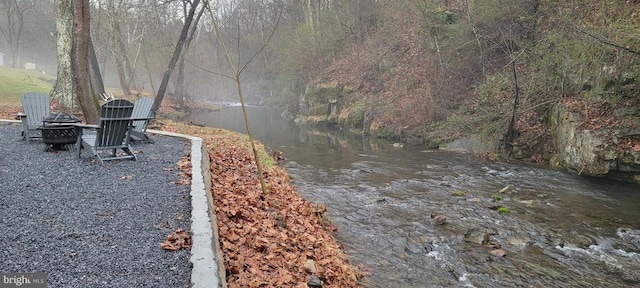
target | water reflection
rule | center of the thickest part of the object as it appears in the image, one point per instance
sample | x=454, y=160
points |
x=322, y=147
x=562, y=229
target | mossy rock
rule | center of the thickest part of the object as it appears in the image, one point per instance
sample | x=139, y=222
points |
x=355, y=118
x=503, y=210
x=627, y=158
x=457, y=193
x=325, y=93
x=384, y=133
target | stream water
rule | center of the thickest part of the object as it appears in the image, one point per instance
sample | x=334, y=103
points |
x=561, y=230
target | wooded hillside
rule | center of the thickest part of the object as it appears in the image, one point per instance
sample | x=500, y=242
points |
x=436, y=71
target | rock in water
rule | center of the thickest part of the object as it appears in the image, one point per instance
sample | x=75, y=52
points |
x=438, y=219
x=477, y=236
x=498, y=252
x=314, y=282
x=310, y=266
x=506, y=189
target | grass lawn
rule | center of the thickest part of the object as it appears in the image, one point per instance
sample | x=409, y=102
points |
x=15, y=82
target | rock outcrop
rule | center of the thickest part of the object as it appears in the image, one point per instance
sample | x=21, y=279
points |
x=593, y=152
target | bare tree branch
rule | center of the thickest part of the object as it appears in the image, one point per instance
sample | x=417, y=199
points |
x=265, y=43
x=601, y=38
x=236, y=77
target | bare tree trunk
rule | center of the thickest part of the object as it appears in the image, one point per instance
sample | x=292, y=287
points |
x=118, y=58
x=219, y=73
x=308, y=14
x=96, y=76
x=236, y=77
x=63, y=88
x=149, y=74
x=511, y=131
x=475, y=33
x=176, y=55
x=133, y=83
x=128, y=69
x=12, y=29
x=181, y=91
x=80, y=63
x=117, y=48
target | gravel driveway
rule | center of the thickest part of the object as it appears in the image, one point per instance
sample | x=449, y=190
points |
x=92, y=225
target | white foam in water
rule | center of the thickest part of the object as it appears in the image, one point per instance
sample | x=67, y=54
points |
x=368, y=155
x=465, y=280
x=570, y=248
x=606, y=258
x=509, y=174
x=623, y=253
x=596, y=251
x=434, y=255
x=489, y=171
x=628, y=234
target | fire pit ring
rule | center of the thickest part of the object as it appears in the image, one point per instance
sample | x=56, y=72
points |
x=59, y=118
x=57, y=132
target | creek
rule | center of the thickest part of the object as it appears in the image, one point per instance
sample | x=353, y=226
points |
x=410, y=217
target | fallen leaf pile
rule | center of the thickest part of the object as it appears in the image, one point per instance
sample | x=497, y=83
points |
x=184, y=166
x=177, y=240
x=266, y=239
x=602, y=115
x=596, y=115
x=628, y=144
x=9, y=112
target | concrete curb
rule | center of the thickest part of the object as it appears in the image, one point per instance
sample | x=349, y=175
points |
x=206, y=256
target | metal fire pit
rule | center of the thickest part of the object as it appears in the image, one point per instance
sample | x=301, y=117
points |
x=57, y=132
x=60, y=118
x=59, y=135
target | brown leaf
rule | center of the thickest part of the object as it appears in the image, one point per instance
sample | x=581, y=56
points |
x=177, y=240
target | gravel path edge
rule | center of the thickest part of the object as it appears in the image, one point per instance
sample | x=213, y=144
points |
x=206, y=256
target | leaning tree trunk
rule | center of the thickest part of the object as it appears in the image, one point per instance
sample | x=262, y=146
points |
x=63, y=89
x=96, y=75
x=174, y=58
x=181, y=88
x=80, y=62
